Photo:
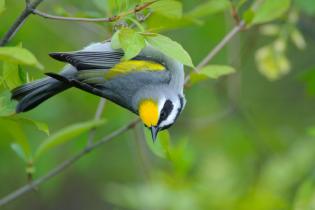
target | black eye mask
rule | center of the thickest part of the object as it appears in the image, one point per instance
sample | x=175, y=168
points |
x=166, y=110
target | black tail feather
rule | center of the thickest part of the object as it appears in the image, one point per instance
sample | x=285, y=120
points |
x=58, y=77
x=31, y=95
x=76, y=83
x=60, y=56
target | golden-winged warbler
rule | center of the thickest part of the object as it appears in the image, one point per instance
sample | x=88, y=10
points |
x=150, y=84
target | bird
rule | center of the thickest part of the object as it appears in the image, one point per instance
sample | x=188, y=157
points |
x=150, y=84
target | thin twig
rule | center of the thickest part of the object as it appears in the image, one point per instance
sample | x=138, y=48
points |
x=78, y=19
x=98, y=114
x=20, y=21
x=221, y=45
x=106, y=19
x=64, y=165
x=218, y=48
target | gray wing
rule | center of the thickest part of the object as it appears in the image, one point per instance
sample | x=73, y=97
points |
x=92, y=68
x=84, y=60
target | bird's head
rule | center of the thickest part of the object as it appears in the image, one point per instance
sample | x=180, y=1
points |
x=160, y=114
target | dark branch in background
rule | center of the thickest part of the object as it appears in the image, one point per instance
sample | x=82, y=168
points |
x=30, y=6
x=92, y=146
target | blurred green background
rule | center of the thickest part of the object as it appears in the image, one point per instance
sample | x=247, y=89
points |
x=245, y=141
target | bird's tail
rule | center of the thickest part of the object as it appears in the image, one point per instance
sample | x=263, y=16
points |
x=32, y=94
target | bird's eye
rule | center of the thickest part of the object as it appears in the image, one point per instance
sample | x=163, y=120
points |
x=163, y=114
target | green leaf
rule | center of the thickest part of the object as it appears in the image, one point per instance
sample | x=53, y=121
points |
x=15, y=130
x=39, y=125
x=181, y=155
x=65, y=135
x=19, y=151
x=168, y=8
x=248, y=16
x=11, y=75
x=196, y=78
x=270, y=10
x=2, y=6
x=131, y=42
x=216, y=71
x=7, y=106
x=161, y=147
x=7, y=109
x=170, y=48
x=19, y=55
x=115, y=43
x=209, y=8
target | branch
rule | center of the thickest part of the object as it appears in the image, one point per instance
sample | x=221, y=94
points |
x=64, y=165
x=91, y=146
x=218, y=48
x=98, y=114
x=107, y=19
x=20, y=21
x=221, y=45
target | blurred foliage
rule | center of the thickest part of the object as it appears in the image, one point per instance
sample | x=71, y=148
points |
x=272, y=60
x=245, y=140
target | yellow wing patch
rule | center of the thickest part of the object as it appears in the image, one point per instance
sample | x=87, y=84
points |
x=130, y=66
x=148, y=112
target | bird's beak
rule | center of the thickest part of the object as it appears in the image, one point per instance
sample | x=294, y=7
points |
x=154, y=132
